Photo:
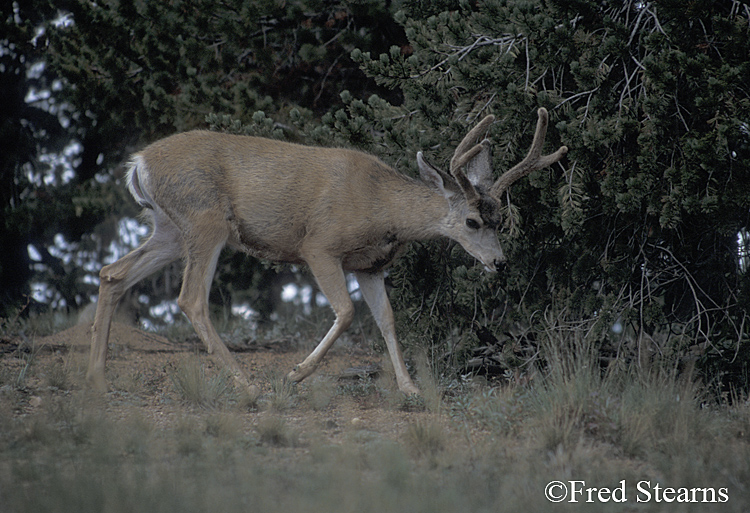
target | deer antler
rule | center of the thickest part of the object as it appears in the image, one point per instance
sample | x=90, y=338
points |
x=463, y=155
x=534, y=159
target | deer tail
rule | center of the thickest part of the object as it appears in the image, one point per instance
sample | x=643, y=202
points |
x=137, y=170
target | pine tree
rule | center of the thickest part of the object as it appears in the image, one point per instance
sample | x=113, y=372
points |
x=639, y=226
x=34, y=128
x=642, y=224
x=132, y=71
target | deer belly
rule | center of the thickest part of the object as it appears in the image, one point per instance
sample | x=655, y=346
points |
x=260, y=245
x=373, y=258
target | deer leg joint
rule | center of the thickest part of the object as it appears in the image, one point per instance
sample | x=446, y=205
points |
x=300, y=372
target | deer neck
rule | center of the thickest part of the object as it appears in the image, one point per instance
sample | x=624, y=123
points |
x=418, y=212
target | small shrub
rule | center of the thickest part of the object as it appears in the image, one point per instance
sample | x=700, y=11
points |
x=57, y=376
x=412, y=403
x=283, y=393
x=248, y=399
x=273, y=430
x=36, y=429
x=180, y=331
x=432, y=396
x=501, y=409
x=321, y=393
x=188, y=437
x=28, y=357
x=136, y=435
x=559, y=427
x=425, y=438
x=194, y=387
x=223, y=426
x=360, y=389
x=662, y=413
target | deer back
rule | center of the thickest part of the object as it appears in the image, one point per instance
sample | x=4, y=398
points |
x=288, y=202
x=277, y=196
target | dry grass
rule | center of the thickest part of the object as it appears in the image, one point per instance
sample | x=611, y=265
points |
x=274, y=430
x=426, y=439
x=196, y=388
x=149, y=448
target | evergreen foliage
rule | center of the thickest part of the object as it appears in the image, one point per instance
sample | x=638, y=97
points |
x=40, y=197
x=130, y=72
x=638, y=228
x=641, y=227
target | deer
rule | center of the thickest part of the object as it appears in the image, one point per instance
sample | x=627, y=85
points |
x=335, y=210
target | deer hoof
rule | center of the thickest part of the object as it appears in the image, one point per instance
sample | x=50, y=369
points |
x=295, y=376
x=410, y=390
x=299, y=373
x=97, y=382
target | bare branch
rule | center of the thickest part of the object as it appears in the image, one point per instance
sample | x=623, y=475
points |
x=528, y=67
x=463, y=51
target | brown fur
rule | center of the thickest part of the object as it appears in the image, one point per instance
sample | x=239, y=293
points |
x=335, y=210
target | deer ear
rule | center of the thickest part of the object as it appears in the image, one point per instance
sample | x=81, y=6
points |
x=479, y=169
x=433, y=177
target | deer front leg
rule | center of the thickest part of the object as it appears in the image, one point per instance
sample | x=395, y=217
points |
x=373, y=290
x=332, y=282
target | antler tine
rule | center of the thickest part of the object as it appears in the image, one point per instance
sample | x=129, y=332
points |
x=534, y=159
x=463, y=154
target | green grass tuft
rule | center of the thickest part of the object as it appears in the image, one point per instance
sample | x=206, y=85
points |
x=196, y=388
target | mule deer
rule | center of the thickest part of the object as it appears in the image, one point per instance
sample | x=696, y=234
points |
x=335, y=210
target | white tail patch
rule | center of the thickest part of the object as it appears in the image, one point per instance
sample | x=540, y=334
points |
x=136, y=173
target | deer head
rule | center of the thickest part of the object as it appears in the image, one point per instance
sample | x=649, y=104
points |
x=474, y=198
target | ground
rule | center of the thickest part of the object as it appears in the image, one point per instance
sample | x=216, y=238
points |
x=140, y=364
x=342, y=443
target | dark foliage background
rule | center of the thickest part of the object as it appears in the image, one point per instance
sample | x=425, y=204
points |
x=644, y=228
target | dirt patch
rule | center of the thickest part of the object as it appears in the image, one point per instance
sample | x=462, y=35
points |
x=79, y=337
x=139, y=366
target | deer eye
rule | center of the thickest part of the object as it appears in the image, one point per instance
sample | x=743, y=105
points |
x=473, y=224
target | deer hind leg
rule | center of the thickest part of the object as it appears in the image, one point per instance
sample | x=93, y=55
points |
x=332, y=282
x=162, y=248
x=202, y=256
x=372, y=287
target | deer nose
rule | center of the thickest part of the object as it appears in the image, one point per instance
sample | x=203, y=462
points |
x=497, y=265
